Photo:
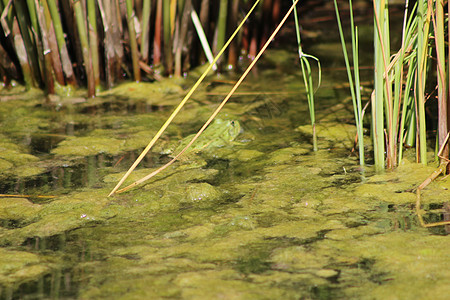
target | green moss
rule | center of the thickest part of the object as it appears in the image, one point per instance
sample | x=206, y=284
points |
x=62, y=214
x=5, y=165
x=18, y=209
x=12, y=155
x=155, y=93
x=17, y=267
x=86, y=146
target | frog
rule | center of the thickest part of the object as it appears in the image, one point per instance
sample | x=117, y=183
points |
x=218, y=134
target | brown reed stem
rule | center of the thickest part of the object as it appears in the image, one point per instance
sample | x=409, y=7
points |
x=133, y=41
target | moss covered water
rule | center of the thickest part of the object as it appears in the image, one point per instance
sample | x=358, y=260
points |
x=263, y=217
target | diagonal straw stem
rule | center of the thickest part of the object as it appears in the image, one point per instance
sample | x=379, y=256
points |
x=185, y=99
x=224, y=101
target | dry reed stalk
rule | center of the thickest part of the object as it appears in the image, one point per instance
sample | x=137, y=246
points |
x=180, y=106
x=56, y=25
x=182, y=38
x=132, y=41
x=93, y=42
x=157, y=35
x=46, y=51
x=233, y=52
x=214, y=114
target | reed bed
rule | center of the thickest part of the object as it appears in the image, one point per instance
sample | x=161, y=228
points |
x=96, y=44
x=406, y=82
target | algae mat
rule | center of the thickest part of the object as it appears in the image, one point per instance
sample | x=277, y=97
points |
x=262, y=217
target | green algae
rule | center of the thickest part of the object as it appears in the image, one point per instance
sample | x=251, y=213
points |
x=5, y=165
x=333, y=134
x=18, y=209
x=19, y=266
x=62, y=214
x=86, y=146
x=263, y=219
x=15, y=160
x=154, y=93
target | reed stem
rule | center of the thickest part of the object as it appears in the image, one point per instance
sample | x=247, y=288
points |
x=439, y=38
x=422, y=53
x=167, y=29
x=133, y=41
x=145, y=35
x=82, y=34
x=93, y=43
x=379, y=92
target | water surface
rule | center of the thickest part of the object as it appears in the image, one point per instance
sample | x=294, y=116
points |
x=262, y=217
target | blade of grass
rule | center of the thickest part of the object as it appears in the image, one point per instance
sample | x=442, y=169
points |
x=46, y=52
x=382, y=89
x=157, y=35
x=221, y=25
x=307, y=78
x=182, y=37
x=53, y=44
x=167, y=31
x=439, y=38
x=355, y=88
x=30, y=47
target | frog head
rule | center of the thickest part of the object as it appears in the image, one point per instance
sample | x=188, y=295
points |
x=226, y=130
x=234, y=128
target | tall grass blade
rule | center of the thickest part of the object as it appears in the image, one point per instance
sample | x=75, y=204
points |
x=439, y=38
x=46, y=51
x=221, y=25
x=30, y=47
x=182, y=37
x=157, y=36
x=307, y=78
x=355, y=88
x=167, y=29
x=382, y=90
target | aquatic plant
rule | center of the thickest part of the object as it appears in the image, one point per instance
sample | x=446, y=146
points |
x=354, y=82
x=400, y=82
x=307, y=78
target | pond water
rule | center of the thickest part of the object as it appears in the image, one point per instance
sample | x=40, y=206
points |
x=257, y=216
